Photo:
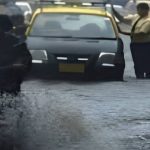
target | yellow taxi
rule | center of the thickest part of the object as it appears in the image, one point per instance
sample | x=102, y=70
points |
x=73, y=39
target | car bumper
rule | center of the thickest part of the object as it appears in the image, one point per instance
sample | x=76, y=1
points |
x=98, y=69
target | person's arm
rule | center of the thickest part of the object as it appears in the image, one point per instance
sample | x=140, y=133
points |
x=121, y=18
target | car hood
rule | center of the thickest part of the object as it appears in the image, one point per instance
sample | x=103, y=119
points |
x=72, y=45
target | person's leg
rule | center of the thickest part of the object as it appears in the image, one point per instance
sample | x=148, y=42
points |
x=16, y=89
x=136, y=52
x=146, y=53
x=12, y=87
x=16, y=82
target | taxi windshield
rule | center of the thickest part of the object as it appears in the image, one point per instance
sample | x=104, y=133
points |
x=72, y=25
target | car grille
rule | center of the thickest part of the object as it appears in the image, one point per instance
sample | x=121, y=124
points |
x=72, y=59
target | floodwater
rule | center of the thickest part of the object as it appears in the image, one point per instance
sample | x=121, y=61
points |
x=79, y=115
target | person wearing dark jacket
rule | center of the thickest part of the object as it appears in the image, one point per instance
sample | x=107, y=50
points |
x=140, y=39
x=15, y=59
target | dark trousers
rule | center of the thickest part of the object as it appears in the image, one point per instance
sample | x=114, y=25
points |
x=10, y=81
x=141, y=58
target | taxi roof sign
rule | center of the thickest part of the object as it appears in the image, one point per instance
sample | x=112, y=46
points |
x=74, y=1
x=99, y=3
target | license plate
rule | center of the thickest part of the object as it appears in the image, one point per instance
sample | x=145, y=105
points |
x=71, y=68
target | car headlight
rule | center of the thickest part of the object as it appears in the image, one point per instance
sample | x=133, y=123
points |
x=38, y=56
x=107, y=59
x=106, y=54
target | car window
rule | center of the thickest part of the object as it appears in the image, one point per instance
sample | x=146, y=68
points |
x=74, y=25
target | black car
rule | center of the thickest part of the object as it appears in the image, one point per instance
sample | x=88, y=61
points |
x=76, y=40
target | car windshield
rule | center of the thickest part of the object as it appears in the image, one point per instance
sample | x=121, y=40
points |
x=72, y=25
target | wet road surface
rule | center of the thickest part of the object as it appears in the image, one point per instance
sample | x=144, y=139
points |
x=75, y=115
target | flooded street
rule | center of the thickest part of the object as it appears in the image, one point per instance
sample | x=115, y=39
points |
x=75, y=115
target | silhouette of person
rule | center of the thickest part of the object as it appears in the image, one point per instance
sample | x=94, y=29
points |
x=140, y=39
x=15, y=59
